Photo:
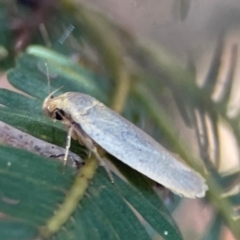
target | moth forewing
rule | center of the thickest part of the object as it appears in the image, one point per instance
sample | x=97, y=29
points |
x=127, y=143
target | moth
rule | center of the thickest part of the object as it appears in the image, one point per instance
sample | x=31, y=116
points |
x=92, y=123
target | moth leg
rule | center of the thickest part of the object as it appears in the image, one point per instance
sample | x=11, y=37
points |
x=102, y=163
x=89, y=143
x=68, y=144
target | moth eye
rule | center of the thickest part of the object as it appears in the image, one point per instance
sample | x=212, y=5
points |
x=59, y=114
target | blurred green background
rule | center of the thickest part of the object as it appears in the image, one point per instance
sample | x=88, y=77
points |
x=170, y=68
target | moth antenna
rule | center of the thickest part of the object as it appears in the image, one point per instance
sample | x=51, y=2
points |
x=48, y=78
x=51, y=94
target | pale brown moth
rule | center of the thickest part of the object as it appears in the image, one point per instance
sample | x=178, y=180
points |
x=92, y=123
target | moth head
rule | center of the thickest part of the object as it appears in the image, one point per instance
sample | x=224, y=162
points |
x=53, y=107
